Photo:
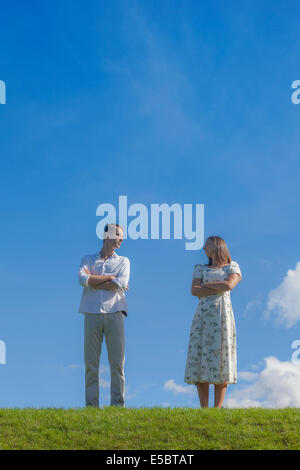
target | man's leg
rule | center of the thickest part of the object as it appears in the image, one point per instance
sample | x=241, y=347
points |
x=115, y=343
x=93, y=337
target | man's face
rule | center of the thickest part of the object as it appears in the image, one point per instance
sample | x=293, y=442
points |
x=114, y=237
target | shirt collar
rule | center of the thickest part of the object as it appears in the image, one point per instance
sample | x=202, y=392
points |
x=114, y=255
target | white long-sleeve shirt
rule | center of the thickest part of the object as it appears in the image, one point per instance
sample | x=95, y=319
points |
x=100, y=300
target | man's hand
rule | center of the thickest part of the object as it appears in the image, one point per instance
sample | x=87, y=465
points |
x=108, y=285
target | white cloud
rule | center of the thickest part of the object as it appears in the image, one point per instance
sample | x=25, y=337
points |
x=252, y=305
x=247, y=376
x=276, y=386
x=284, y=301
x=171, y=386
x=258, y=366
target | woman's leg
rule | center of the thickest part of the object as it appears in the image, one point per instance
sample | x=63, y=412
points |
x=220, y=390
x=203, y=393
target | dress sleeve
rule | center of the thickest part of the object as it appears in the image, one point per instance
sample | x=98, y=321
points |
x=198, y=272
x=235, y=268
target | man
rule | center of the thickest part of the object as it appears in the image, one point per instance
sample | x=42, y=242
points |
x=104, y=277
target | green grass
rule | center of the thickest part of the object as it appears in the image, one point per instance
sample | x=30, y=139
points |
x=116, y=428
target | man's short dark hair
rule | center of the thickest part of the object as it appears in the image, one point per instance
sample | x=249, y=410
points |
x=106, y=226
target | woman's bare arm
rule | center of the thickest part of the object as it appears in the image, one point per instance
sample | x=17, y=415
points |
x=223, y=286
x=198, y=289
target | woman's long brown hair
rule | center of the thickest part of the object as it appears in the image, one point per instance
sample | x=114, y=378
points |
x=222, y=255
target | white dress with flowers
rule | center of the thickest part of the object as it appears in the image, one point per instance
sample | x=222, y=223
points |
x=212, y=345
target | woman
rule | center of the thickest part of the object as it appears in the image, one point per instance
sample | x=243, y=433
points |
x=212, y=346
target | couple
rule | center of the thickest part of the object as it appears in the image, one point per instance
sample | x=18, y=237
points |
x=212, y=345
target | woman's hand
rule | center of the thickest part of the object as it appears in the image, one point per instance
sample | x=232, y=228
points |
x=223, y=286
x=199, y=290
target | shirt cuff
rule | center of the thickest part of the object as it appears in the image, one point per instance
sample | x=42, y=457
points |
x=85, y=279
x=118, y=283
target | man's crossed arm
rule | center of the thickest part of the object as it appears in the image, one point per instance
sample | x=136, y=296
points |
x=104, y=281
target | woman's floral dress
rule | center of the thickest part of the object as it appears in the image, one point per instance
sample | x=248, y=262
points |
x=212, y=346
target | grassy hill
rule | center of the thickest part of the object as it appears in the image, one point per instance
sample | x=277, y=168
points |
x=114, y=428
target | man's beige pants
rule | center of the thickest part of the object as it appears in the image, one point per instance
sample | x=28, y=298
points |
x=111, y=325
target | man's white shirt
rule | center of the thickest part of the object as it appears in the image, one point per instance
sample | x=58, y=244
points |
x=100, y=300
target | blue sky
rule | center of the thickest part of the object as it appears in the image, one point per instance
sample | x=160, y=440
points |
x=165, y=102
